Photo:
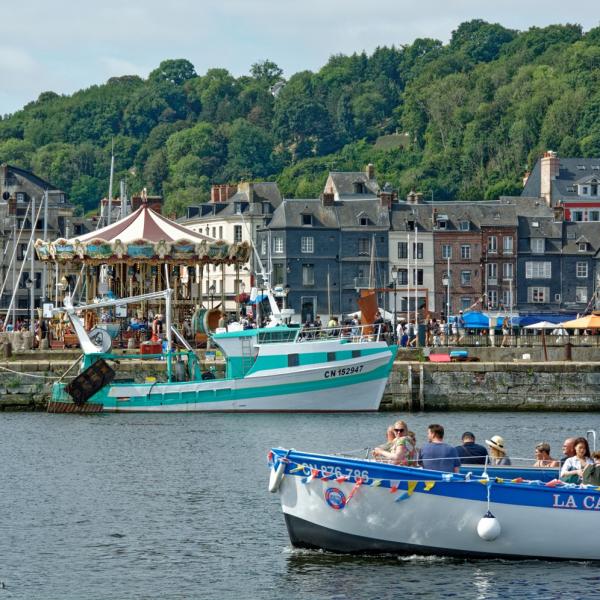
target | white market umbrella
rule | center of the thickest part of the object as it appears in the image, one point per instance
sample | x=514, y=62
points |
x=543, y=325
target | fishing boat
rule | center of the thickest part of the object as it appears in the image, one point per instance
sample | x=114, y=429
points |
x=276, y=368
x=351, y=505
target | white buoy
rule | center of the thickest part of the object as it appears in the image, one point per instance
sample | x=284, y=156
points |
x=276, y=476
x=488, y=527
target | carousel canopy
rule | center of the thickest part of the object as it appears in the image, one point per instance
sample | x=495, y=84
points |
x=143, y=236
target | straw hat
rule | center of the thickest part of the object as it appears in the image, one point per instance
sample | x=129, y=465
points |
x=496, y=442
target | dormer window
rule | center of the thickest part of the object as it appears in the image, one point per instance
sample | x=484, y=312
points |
x=594, y=187
x=582, y=246
x=442, y=224
x=464, y=225
x=20, y=197
x=266, y=208
x=358, y=187
x=237, y=207
x=584, y=190
x=307, y=220
x=364, y=221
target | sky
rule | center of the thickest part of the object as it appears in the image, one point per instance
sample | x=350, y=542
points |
x=67, y=45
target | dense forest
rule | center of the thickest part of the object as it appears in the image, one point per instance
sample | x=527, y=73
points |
x=462, y=120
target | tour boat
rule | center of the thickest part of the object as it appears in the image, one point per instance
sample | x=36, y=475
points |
x=352, y=505
x=275, y=368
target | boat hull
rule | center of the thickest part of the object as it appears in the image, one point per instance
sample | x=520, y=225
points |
x=536, y=521
x=356, y=385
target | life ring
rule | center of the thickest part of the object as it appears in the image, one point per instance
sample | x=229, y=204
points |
x=276, y=476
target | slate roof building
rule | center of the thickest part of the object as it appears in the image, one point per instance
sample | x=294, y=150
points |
x=321, y=249
x=235, y=213
x=573, y=183
x=17, y=189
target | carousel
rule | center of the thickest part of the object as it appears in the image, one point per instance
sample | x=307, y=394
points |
x=143, y=252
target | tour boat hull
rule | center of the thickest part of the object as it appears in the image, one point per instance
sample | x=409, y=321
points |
x=359, y=506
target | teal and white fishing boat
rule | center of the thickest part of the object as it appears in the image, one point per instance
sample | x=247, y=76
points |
x=271, y=369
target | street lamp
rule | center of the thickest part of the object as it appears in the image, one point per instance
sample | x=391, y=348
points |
x=211, y=293
x=446, y=281
x=394, y=284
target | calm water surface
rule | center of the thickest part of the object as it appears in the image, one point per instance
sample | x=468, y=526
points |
x=176, y=506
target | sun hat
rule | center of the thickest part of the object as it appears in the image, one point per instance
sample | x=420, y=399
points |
x=496, y=442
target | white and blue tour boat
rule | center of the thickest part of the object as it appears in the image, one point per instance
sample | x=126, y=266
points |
x=270, y=369
x=353, y=505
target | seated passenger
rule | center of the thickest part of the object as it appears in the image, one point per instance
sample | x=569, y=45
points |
x=402, y=450
x=436, y=454
x=572, y=469
x=542, y=454
x=471, y=453
x=591, y=473
x=498, y=455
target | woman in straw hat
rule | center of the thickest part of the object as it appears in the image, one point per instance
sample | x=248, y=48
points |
x=498, y=453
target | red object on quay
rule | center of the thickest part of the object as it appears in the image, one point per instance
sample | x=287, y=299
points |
x=150, y=348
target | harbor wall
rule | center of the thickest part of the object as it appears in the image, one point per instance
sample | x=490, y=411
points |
x=414, y=385
x=479, y=386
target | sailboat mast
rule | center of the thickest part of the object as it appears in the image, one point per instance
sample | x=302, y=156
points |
x=110, y=182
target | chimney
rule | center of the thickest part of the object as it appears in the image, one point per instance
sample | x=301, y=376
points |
x=386, y=198
x=549, y=170
x=559, y=214
x=3, y=174
x=412, y=197
x=370, y=171
x=222, y=192
x=526, y=177
x=327, y=198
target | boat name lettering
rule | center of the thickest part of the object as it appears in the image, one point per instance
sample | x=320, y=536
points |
x=329, y=470
x=343, y=371
x=570, y=501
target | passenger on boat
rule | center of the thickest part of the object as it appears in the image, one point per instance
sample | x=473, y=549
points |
x=471, y=453
x=572, y=469
x=402, y=450
x=591, y=473
x=498, y=455
x=543, y=458
x=568, y=449
x=436, y=454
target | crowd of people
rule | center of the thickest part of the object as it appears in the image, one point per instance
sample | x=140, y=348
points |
x=577, y=465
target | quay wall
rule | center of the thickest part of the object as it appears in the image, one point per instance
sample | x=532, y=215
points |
x=507, y=383
x=493, y=386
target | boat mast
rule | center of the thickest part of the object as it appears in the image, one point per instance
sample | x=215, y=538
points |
x=110, y=182
x=32, y=268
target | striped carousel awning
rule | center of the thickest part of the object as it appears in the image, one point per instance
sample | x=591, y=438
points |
x=143, y=236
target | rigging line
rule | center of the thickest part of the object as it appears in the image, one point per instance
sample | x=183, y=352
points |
x=26, y=374
x=14, y=252
x=29, y=246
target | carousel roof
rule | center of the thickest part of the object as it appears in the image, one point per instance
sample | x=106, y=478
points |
x=143, y=224
x=143, y=236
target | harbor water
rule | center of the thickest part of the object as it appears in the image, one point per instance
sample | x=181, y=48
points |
x=176, y=506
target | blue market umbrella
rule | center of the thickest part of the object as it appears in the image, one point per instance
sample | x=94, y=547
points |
x=476, y=320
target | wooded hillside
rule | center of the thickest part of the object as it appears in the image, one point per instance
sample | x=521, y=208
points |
x=464, y=120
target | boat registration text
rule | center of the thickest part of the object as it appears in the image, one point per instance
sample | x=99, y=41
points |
x=330, y=373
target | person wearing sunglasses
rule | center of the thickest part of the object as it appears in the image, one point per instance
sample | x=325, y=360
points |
x=402, y=449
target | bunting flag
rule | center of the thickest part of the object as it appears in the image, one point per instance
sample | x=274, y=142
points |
x=429, y=485
x=359, y=482
x=411, y=487
x=376, y=482
x=296, y=469
x=342, y=478
x=309, y=478
x=328, y=477
x=270, y=456
x=402, y=496
x=394, y=487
